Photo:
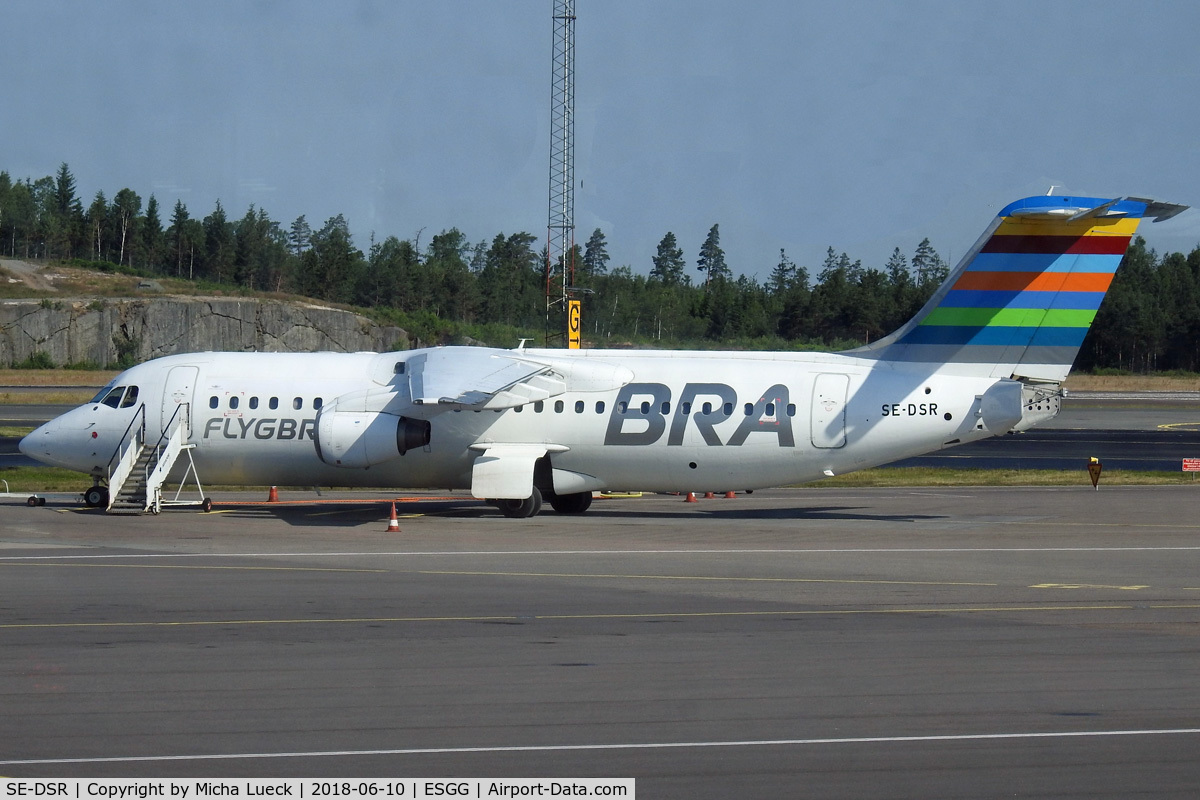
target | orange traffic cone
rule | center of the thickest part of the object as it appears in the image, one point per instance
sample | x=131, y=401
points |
x=393, y=523
x=730, y=495
x=709, y=495
x=691, y=498
x=273, y=496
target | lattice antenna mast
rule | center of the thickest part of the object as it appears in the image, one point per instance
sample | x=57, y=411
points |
x=560, y=236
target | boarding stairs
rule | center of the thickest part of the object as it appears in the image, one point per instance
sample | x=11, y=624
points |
x=138, y=470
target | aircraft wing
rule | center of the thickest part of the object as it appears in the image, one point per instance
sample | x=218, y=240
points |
x=480, y=378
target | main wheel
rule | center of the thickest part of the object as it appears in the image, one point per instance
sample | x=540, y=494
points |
x=95, y=496
x=575, y=503
x=522, y=509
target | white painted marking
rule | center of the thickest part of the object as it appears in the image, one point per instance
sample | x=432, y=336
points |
x=618, y=746
x=732, y=551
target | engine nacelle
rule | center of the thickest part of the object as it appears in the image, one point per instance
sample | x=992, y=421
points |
x=359, y=439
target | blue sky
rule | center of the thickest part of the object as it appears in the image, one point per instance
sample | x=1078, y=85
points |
x=861, y=125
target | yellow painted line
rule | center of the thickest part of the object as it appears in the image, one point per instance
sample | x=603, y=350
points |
x=697, y=578
x=1085, y=586
x=597, y=616
x=1169, y=425
x=181, y=566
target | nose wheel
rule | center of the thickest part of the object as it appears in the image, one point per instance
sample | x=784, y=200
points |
x=95, y=497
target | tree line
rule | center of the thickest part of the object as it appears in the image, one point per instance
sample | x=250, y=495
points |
x=495, y=290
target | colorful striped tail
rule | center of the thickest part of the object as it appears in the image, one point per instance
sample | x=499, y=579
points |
x=1021, y=301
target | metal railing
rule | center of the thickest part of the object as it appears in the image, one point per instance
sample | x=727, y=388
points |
x=120, y=466
x=166, y=450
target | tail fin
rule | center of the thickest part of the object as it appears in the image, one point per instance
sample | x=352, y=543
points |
x=1022, y=299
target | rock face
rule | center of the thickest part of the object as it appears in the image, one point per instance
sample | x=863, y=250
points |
x=101, y=332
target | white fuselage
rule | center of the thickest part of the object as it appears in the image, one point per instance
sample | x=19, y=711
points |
x=681, y=421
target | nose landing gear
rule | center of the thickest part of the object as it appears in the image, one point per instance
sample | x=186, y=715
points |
x=95, y=497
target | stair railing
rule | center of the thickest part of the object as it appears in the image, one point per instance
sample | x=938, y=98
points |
x=126, y=455
x=170, y=444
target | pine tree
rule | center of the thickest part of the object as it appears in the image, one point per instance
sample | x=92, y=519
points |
x=781, y=276
x=152, y=235
x=712, y=258
x=178, y=234
x=595, y=255
x=668, y=262
x=300, y=236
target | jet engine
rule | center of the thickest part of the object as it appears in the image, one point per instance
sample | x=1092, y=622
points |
x=359, y=439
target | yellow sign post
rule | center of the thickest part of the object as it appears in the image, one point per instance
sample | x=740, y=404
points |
x=574, y=326
x=1094, y=467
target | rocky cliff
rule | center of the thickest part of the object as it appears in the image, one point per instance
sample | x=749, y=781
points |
x=102, y=331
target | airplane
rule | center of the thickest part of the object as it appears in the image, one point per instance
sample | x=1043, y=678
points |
x=985, y=356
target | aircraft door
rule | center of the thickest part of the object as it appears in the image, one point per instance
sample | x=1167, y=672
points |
x=181, y=382
x=828, y=418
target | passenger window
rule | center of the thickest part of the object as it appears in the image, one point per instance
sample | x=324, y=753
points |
x=317, y=403
x=558, y=406
x=645, y=407
x=398, y=369
x=748, y=408
x=599, y=406
x=727, y=409
x=770, y=409
x=273, y=403
x=130, y=397
x=538, y=406
x=519, y=409
x=791, y=409
x=113, y=399
x=622, y=407
x=685, y=408
x=707, y=408
x=233, y=401
x=666, y=407
x=578, y=406
x=254, y=402
x=297, y=403
x=213, y=402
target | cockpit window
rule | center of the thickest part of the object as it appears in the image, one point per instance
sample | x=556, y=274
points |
x=100, y=395
x=113, y=398
x=131, y=395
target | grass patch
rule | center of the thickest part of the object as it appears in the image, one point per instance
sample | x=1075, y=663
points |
x=917, y=477
x=49, y=397
x=13, y=432
x=56, y=377
x=1160, y=382
x=25, y=480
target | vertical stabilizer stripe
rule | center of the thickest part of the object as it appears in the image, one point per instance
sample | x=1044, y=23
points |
x=1035, y=282
x=1092, y=245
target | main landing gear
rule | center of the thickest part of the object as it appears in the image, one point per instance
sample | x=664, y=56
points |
x=521, y=509
x=574, y=503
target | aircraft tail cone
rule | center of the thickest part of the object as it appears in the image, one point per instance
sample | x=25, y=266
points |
x=691, y=498
x=393, y=523
x=730, y=495
x=273, y=495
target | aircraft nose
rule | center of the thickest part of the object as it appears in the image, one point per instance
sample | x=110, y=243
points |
x=59, y=445
x=36, y=441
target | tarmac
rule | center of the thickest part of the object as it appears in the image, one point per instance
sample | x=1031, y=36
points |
x=978, y=642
